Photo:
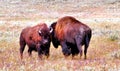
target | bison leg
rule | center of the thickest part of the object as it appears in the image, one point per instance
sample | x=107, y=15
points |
x=29, y=51
x=74, y=51
x=87, y=40
x=80, y=50
x=79, y=44
x=22, y=47
x=85, y=51
x=66, y=51
x=39, y=51
x=47, y=52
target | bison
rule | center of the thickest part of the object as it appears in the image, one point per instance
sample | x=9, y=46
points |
x=37, y=38
x=71, y=34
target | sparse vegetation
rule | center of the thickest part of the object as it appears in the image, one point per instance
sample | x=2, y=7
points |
x=103, y=52
x=113, y=37
x=116, y=54
x=98, y=51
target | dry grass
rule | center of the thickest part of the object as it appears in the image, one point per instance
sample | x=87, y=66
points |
x=42, y=9
x=103, y=54
x=103, y=16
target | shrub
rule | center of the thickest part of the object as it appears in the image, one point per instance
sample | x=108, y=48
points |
x=116, y=54
x=113, y=37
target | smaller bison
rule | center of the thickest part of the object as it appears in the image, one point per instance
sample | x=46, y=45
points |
x=71, y=34
x=37, y=38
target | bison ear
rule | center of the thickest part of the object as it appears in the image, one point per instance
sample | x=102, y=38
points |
x=51, y=29
x=40, y=33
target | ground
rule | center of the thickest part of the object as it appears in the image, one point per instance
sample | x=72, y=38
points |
x=101, y=16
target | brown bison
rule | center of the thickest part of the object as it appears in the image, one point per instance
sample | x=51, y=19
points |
x=71, y=34
x=37, y=38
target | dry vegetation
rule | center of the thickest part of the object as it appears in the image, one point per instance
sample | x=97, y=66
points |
x=103, y=52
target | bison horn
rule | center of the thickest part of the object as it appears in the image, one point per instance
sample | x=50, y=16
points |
x=39, y=32
x=51, y=29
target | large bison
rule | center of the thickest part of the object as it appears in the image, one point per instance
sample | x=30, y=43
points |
x=71, y=34
x=37, y=38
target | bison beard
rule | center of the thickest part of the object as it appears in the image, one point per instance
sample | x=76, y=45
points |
x=71, y=34
x=37, y=38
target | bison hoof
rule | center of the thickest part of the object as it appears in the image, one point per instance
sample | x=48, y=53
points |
x=40, y=57
x=66, y=54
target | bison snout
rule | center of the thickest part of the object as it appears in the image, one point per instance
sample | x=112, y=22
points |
x=45, y=41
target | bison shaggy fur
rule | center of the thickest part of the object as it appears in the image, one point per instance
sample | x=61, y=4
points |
x=71, y=34
x=37, y=38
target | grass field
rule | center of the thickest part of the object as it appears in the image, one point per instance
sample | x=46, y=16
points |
x=103, y=52
x=102, y=16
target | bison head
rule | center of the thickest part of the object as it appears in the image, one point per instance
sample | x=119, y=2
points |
x=53, y=36
x=45, y=35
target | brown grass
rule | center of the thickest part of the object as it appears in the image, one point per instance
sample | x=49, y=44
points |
x=101, y=54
